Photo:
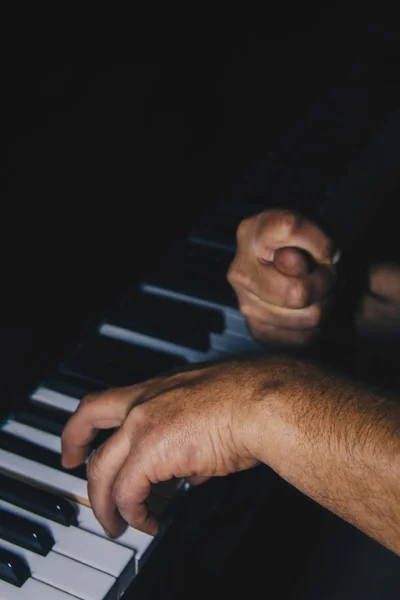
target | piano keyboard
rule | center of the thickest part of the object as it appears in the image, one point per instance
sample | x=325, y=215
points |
x=182, y=312
x=50, y=541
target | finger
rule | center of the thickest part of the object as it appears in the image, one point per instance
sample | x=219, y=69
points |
x=271, y=286
x=255, y=309
x=97, y=411
x=130, y=493
x=293, y=262
x=102, y=470
x=279, y=228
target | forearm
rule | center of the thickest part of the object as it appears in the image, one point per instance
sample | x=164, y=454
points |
x=339, y=443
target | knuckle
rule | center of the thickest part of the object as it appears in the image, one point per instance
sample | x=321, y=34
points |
x=297, y=295
x=89, y=400
x=288, y=221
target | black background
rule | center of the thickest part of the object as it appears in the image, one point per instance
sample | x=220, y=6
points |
x=118, y=130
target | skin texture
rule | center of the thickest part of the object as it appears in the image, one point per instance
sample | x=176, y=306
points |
x=337, y=441
x=283, y=275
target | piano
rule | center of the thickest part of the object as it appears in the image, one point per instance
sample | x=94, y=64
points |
x=180, y=311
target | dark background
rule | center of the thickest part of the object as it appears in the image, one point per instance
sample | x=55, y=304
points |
x=118, y=131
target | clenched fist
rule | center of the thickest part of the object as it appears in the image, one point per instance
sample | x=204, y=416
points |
x=283, y=275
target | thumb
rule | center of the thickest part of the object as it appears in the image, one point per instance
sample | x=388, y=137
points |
x=293, y=261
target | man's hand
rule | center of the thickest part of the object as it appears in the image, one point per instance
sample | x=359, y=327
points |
x=334, y=440
x=194, y=424
x=283, y=275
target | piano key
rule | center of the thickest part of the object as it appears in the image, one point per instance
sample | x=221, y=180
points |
x=80, y=545
x=230, y=343
x=83, y=368
x=234, y=320
x=55, y=481
x=127, y=355
x=35, y=500
x=45, y=418
x=133, y=337
x=62, y=393
x=131, y=538
x=65, y=574
x=32, y=590
x=51, y=397
x=52, y=507
x=32, y=435
x=216, y=295
x=22, y=532
x=34, y=452
x=86, y=366
x=174, y=322
x=13, y=569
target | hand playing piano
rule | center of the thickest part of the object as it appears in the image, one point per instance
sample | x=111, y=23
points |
x=193, y=424
x=283, y=275
x=323, y=433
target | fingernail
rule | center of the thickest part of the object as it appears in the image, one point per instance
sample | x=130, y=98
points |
x=108, y=534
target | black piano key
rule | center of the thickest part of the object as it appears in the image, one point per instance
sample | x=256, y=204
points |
x=38, y=501
x=24, y=533
x=42, y=417
x=85, y=368
x=108, y=363
x=169, y=320
x=64, y=385
x=212, y=235
x=129, y=355
x=195, y=271
x=202, y=261
x=13, y=569
x=21, y=447
x=201, y=288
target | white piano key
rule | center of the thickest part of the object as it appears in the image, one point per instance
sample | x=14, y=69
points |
x=44, y=476
x=32, y=590
x=132, y=538
x=80, y=545
x=40, y=438
x=233, y=344
x=65, y=574
x=133, y=337
x=55, y=399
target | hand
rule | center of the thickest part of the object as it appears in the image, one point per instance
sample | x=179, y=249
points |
x=379, y=311
x=283, y=274
x=194, y=424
